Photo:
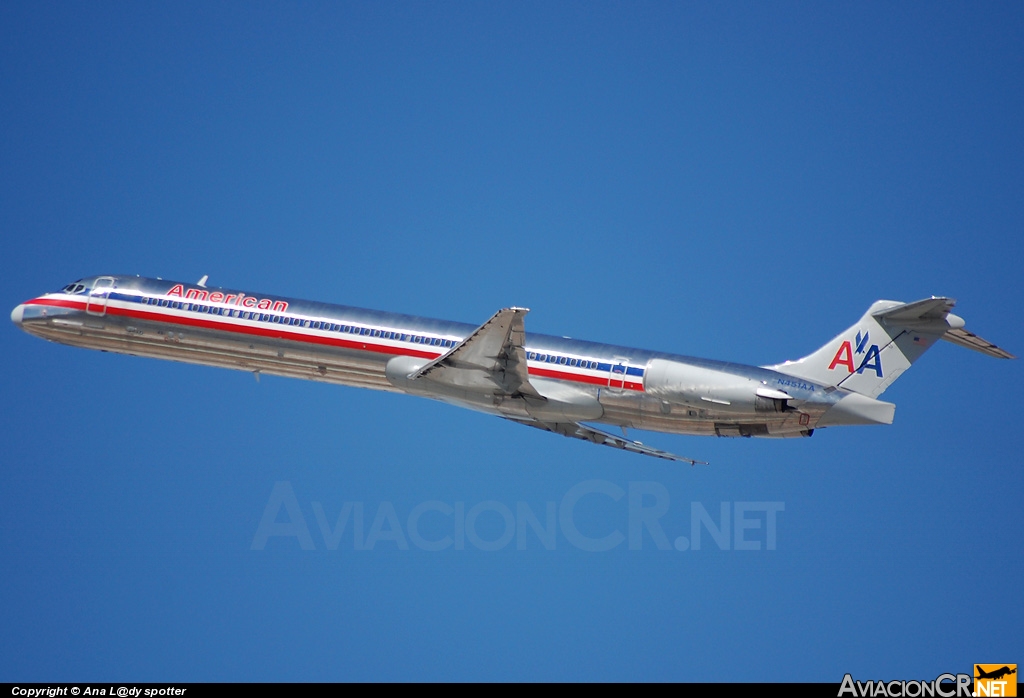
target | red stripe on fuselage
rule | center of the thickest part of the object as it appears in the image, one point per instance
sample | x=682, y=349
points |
x=274, y=333
x=593, y=380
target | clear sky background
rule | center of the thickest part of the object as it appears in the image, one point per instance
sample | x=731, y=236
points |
x=731, y=180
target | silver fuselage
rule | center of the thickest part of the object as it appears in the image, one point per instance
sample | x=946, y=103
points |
x=268, y=334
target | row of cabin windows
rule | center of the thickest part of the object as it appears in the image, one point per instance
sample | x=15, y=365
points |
x=561, y=360
x=299, y=322
x=346, y=329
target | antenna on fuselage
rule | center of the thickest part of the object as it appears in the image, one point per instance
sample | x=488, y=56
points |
x=202, y=282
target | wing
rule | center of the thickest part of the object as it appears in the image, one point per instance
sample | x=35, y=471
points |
x=492, y=358
x=580, y=431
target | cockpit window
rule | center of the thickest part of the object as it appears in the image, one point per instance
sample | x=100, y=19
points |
x=76, y=287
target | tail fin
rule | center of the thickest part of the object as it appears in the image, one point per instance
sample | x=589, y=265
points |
x=867, y=357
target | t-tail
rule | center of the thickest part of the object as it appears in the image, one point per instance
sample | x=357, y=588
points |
x=867, y=357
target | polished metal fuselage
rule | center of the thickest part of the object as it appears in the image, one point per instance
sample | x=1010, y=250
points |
x=267, y=334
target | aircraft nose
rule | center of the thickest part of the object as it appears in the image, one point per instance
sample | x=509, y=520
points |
x=17, y=314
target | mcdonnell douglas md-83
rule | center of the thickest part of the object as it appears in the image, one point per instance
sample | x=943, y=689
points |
x=557, y=384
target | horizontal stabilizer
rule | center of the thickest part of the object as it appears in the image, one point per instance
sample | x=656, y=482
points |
x=930, y=311
x=963, y=338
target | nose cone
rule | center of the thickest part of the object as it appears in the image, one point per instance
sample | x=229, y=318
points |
x=17, y=314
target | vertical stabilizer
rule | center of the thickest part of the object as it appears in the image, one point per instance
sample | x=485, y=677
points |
x=868, y=356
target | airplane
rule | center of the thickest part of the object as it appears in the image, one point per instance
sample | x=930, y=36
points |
x=557, y=384
x=995, y=674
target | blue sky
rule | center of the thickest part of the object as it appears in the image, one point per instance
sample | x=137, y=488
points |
x=738, y=181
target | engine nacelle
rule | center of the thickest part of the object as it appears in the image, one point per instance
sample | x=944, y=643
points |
x=711, y=389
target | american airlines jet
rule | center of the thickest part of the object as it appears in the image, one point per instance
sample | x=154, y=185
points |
x=556, y=384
